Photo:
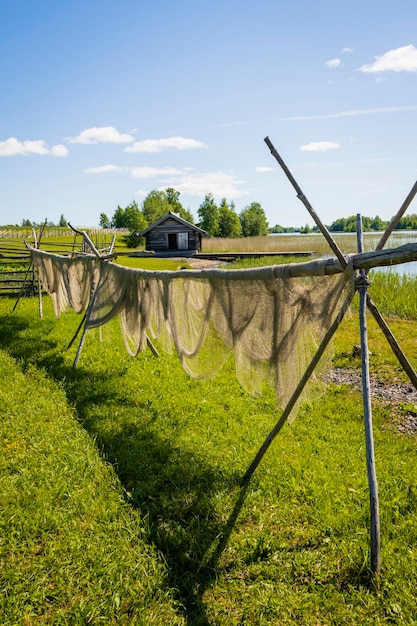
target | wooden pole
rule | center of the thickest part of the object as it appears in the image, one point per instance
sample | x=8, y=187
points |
x=404, y=362
x=112, y=244
x=397, y=217
x=333, y=245
x=295, y=396
x=362, y=286
x=30, y=268
x=87, y=239
x=77, y=331
x=39, y=280
x=93, y=293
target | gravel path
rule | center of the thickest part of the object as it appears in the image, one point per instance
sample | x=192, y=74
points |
x=389, y=394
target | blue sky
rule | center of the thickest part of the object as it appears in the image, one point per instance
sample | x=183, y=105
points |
x=102, y=102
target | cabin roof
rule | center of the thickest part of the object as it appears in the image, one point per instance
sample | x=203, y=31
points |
x=177, y=218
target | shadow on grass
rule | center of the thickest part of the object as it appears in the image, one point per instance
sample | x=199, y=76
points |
x=173, y=488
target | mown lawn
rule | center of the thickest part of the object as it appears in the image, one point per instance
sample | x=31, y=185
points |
x=122, y=502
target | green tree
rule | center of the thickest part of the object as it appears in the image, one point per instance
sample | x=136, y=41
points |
x=26, y=222
x=134, y=218
x=159, y=203
x=104, y=221
x=62, y=221
x=253, y=220
x=172, y=195
x=208, y=212
x=228, y=221
x=276, y=229
x=135, y=222
x=155, y=205
x=119, y=219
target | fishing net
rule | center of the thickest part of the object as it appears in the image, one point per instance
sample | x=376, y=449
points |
x=270, y=321
x=67, y=279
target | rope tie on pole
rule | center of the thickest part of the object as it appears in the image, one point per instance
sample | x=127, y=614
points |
x=362, y=282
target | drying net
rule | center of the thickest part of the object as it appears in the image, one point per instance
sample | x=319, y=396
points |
x=272, y=323
x=67, y=279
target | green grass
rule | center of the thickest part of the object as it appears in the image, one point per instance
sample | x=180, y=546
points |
x=262, y=261
x=121, y=500
x=395, y=294
x=72, y=550
x=153, y=264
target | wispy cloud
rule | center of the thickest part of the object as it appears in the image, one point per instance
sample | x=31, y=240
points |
x=101, y=134
x=104, y=169
x=220, y=184
x=159, y=145
x=14, y=147
x=399, y=60
x=186, y=180
x=352, y=113
x=333, y=63
x=320, y=146
x=347, y=50
x=262, y=168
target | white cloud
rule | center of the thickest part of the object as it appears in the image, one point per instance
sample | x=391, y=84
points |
x=186, y=180
x=14, y=147
x=263, y=168
x=154, y=172
x=102, y=134
x=220, y=184
x=320, y=146
x=352, y=113
x=400, y=60
x=333, y=63
x=59, y=150
x=103, y=169
x=347, y=50
x=158, y=145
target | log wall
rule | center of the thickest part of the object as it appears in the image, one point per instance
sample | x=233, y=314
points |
x=161, y=238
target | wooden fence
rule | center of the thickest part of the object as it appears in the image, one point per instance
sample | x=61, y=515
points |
x=16, y=271
x=17, y=275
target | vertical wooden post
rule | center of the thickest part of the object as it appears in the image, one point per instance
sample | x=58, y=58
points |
x=86, y=319
x=362, y=286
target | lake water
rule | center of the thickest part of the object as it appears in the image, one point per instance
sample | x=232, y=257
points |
x=397, y=238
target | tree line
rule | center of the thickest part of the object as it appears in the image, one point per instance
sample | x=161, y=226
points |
x=217, y=220
x=348, y=225
x=62, y=223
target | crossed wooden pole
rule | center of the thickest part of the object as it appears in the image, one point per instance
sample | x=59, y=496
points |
x=361, y=285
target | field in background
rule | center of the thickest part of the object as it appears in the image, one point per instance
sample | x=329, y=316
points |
x=298, y=243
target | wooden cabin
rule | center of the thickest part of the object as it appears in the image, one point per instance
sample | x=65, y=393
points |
x=173, y=236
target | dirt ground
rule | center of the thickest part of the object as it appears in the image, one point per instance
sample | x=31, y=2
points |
x=393, y=395
x=201, y=264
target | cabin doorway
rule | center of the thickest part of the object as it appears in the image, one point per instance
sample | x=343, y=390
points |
x=177, y=241
x=172, y=241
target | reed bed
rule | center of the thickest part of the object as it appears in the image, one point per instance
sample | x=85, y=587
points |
x=394, y=293
x=313, y=242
